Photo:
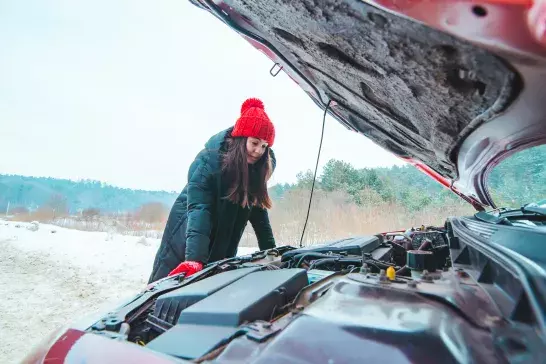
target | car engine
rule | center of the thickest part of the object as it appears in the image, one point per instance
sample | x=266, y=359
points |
x=392, y=295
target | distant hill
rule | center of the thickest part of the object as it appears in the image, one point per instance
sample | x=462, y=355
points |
x=33, y=192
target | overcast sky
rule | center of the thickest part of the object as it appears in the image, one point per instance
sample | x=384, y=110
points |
x=127, y=92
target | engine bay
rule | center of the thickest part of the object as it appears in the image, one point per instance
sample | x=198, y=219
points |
x=393, y=295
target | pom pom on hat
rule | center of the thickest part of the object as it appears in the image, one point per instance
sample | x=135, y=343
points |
x=250, y=103
x=254, y=122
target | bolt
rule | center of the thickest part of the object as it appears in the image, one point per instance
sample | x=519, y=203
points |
x=383, y=277
x=99, y=326
x=124, y=329
x=266, y=325
x=426, y=276
x=412, y=284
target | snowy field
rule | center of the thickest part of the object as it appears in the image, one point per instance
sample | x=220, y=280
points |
x=53, y=276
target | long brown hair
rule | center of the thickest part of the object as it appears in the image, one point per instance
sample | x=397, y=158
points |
x=247, y=184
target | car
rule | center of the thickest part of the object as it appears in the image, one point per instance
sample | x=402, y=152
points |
x=454, y=88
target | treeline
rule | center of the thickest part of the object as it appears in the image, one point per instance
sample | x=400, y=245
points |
x=351, y=202
x=57, y=197
x=518, y=180
x=33, y=193
x=373, y=186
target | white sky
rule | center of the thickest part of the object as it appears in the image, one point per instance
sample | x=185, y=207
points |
x=127, y=92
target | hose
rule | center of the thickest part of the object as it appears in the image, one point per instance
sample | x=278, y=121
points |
x=314, y=255
x=426, y=245
x=402, y=271
x=327, y=261
x=378, y=263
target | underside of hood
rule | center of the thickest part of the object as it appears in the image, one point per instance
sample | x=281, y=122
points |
x=414, y=90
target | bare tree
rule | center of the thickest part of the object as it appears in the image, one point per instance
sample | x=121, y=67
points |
x=57, y=203
x=19, y=210
x=152, y=212
x=90, y=214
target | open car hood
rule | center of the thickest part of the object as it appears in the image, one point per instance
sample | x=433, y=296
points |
x=452, y=87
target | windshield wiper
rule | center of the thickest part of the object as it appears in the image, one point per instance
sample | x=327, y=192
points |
x=500, y=218
x=492, y=219
x=531, y=207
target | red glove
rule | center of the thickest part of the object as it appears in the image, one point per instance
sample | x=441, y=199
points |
x=187, y=267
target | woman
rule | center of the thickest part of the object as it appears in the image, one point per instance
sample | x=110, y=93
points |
x=227, y=187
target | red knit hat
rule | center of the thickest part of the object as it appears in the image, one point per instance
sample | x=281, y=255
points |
x=254, y=122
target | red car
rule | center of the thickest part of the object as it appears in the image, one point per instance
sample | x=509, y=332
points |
x=453, y=87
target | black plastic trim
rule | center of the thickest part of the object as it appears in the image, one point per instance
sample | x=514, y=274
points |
x=512, y=282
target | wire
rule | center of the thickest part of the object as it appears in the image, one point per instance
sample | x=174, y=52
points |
x=315, y=175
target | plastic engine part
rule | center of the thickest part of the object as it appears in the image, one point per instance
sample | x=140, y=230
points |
x=192, y=341
x=351, y=246
x=420, y=260
x=253, y=297
x=383, y=254
x=169, y=306
x=315, y=275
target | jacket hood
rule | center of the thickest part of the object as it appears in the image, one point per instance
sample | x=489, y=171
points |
x=435, y=84
x=216, y=141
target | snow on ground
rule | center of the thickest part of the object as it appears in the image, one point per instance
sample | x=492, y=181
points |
x=53, y=276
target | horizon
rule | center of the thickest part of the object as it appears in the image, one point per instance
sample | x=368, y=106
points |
x=104, y=183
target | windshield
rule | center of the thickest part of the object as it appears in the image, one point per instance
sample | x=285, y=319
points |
x=520, y=179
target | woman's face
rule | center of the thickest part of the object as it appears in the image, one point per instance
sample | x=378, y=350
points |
x=255, y=148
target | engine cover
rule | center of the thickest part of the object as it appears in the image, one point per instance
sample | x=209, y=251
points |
x=253, y=297
x=214, y=320
x=169, y=306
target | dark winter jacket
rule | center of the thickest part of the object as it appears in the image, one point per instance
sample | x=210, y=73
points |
x=202, y=226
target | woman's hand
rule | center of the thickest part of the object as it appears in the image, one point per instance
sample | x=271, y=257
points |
x=187, y=267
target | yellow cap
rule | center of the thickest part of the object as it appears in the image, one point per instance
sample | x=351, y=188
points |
x=391, y=273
